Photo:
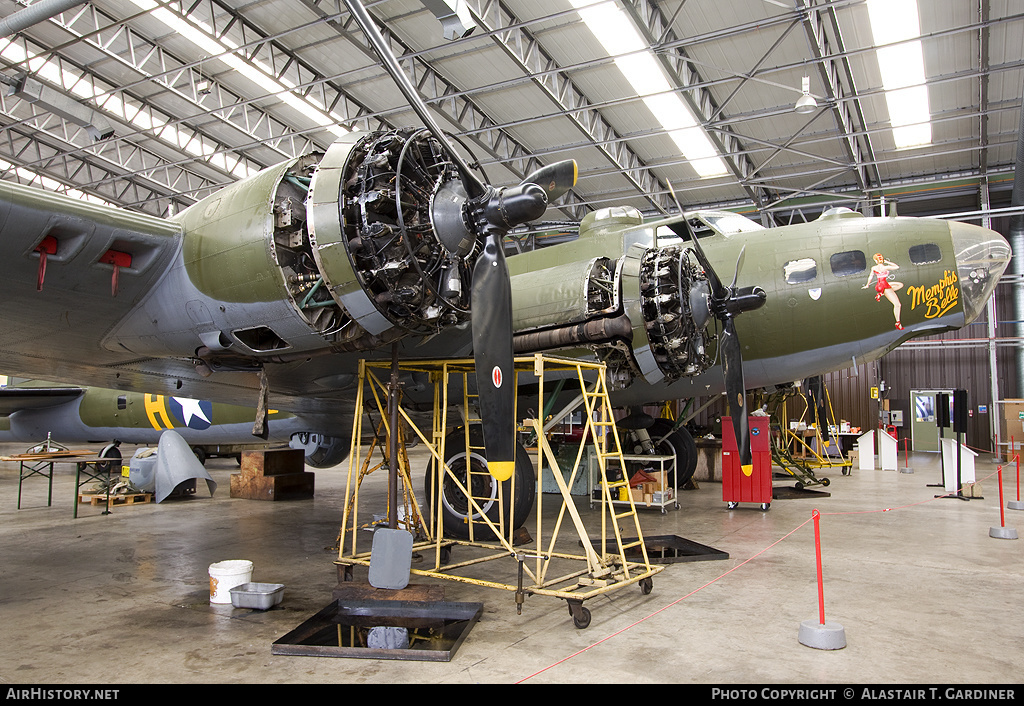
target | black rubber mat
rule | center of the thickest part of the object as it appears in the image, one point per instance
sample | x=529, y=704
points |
x=791, y=493
x=669, y=549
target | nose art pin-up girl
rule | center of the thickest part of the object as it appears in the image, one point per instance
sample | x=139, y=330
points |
x=884, y=287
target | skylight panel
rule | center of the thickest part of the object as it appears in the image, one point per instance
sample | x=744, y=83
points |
x=142, y=119
x=902, y=69
x=621, y=40
x=202, y=36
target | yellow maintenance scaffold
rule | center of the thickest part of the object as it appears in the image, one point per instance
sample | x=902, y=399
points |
x=610, y=562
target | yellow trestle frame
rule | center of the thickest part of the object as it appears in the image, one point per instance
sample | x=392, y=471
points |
x=603, y=570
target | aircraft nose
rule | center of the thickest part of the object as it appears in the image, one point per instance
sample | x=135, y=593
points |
x=981, y=257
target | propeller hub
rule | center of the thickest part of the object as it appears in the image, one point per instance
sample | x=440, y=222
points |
x=507, y=208
x=447, y=217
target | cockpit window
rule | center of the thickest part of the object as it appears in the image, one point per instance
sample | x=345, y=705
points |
x=800, y=271
x=848, y=263
x=729, y=223
x=707, y=223
x=928, y=252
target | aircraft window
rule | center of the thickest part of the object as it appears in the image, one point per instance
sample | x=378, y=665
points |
x=122, y=402
x=729, y=223
x=700, y=228
x=921, y=254
x=848, y=263
x=800, y=271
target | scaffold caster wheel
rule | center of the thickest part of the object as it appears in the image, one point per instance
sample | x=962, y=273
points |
x=846, y=471
x=646, y=586
x=799, y=485
x=580, y=615
x=824, y=482
x=765, y=506
x=732, y=505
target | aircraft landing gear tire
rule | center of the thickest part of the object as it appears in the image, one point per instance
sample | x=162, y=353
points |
x=580, y=615
x=676, y=443
x=111, y=451
x=455, y=507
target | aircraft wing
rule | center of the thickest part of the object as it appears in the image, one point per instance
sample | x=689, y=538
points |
x=69, y=271
x=15, y=399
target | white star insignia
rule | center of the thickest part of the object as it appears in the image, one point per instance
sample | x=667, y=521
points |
x=190, y=408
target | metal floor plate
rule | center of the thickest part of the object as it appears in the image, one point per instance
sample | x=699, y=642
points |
x=436, y=630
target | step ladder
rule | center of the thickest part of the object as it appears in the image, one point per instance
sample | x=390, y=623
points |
x=609, y=456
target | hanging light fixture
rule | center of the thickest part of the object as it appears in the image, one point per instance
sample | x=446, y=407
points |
x=806, y=102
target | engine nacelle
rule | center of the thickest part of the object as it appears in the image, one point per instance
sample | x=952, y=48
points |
x=645, y=315
x=327, y=252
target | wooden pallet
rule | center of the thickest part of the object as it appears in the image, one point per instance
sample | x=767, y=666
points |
x=115, y=500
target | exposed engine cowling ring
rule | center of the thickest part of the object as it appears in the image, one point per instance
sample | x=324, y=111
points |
x=665, y=295
x=373, y=203
x=321, y=450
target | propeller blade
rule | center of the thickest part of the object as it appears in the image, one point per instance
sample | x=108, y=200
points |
x=736, y=391
x=491, y=301
x=726, y=303
x=474, y=187
x=490, y=213
x=555, y=179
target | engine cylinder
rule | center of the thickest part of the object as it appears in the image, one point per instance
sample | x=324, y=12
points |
x=370, y=214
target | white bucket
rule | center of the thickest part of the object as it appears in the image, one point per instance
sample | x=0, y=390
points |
x=225, y=575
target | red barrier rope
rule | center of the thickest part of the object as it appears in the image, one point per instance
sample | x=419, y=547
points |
x=815, y=517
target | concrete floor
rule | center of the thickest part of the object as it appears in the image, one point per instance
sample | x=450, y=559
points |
x=921, y=590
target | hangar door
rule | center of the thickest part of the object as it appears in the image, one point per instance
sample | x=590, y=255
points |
x=924, y=431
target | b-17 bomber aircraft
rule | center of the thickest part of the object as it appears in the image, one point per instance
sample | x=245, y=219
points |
x=273, y=289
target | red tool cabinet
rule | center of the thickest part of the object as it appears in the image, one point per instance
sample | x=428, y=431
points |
x=737, y=487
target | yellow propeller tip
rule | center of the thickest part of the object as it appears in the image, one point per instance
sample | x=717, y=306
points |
x=501, y=470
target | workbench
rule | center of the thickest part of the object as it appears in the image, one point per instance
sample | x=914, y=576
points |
x=88, y=465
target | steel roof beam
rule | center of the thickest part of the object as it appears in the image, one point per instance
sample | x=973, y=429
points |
x=836, y=75
x=128, y=47
x=94, y=173
x=81, y=140
x=657, y=30
x=527, y=52
x=450, y=102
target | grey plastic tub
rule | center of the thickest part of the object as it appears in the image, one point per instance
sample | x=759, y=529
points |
x=260, y=596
